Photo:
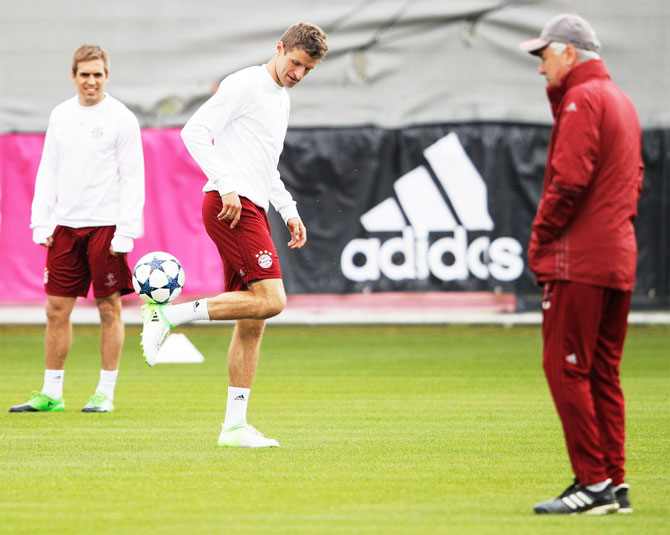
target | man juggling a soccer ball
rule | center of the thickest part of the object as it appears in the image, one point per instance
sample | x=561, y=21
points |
x=247, y=120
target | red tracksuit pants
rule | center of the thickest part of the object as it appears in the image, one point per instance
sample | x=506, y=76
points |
x=584, y=328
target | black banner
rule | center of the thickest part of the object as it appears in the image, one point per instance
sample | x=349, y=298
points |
x=440, y=208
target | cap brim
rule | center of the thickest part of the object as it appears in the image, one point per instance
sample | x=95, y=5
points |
x=533, y=46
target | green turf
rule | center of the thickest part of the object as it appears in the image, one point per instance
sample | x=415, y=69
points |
x=383, y=430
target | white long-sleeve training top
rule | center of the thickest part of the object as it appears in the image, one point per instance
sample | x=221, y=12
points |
x=91, y=173
x=247, y=120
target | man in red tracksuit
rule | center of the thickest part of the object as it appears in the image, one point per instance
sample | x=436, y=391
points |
x=583, y=252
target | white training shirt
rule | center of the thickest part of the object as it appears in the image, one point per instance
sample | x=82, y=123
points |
x=91, y=173
x=247, y=119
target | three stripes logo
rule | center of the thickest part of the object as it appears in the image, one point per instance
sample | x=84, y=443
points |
x=421, y=210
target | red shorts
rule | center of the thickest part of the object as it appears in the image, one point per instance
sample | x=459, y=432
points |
x=81, y=255
x=247, y=251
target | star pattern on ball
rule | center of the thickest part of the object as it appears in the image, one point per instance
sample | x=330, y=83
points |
x=156, y=263
x=146, y=288
x=173, y=283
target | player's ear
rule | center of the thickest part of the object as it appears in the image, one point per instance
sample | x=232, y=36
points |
x=571, y=54
x=280, y=47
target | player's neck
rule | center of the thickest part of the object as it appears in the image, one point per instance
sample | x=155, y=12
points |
x=272, y=69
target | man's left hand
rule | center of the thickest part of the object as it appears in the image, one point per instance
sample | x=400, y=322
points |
x=298, y=233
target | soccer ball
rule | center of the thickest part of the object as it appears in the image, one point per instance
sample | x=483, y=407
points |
x=158, y=277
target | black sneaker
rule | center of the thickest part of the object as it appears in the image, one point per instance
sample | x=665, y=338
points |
x=621, y=494
x=580, y=500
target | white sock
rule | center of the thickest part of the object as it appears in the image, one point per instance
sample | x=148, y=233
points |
x=107, y=382
x=236, y=408
x=185, y=312
x=597, y=487
x=53, y=383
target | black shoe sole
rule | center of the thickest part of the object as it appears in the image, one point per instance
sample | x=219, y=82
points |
x=24, y=408
x=603, y=509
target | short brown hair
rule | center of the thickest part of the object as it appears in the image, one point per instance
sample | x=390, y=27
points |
x=309, y=37
x=88, y=53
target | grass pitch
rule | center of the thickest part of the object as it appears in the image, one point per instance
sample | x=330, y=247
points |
x=383, y=430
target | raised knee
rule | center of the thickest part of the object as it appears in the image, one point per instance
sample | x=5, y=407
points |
x=270, y=298
x=274, y=305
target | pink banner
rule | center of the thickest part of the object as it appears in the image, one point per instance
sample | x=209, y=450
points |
x=172, y=220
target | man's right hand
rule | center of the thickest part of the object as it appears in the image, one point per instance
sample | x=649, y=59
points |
x=49, y=242
x=232, y=208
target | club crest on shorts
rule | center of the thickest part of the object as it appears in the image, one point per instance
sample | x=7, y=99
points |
x=264, y=259
x=111, y=280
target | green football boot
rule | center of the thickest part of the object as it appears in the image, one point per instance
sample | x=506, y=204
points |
x=154, y=332
x=40, y=402
x=245, y=436
x=98, y=402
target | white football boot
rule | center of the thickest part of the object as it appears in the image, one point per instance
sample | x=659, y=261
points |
x=245, y=436
x=155, y=331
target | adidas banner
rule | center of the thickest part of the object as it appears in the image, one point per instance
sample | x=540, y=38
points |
x=427, y=208
x=437, y=208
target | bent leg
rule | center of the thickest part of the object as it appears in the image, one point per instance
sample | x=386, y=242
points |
x=263, y=299
x=58, y=335
x=111, y=331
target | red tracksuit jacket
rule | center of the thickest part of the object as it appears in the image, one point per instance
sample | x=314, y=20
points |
x=583, y=230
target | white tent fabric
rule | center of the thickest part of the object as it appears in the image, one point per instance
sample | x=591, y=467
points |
x=392, y=63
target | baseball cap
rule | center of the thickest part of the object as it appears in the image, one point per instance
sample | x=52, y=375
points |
x=567, y=28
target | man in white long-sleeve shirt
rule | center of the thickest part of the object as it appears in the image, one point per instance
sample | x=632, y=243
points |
x=87, y=210
x=246, y=120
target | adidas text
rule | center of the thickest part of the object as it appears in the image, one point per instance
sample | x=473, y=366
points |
x=450, y=242
x=421, y=259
